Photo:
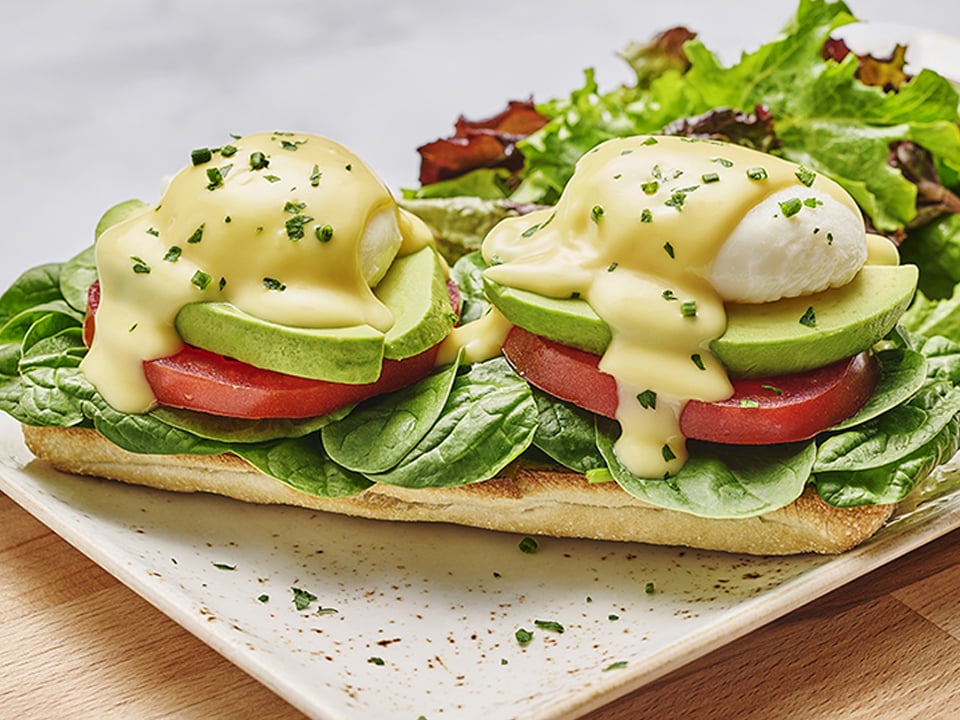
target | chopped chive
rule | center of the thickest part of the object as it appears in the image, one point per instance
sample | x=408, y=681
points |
x=549, y=625
x=669, y=248
x=315, y=176
x=200, y=280
x=757, y=173
x=228, y=150
x=619, y=665
x=197, y=234
x=698, y=361
x=263, y=598
x=647, y=400
x=669, y=295
x=376, y=661
x=324, y=233
x=650, y=141
x=295, y=226
x=649, y=588
x=806, y=176
x=258, y=161
x=809, y=318
x=153, y=231
x=772, y=388
x=612, y=266
x=710, y=177
x=140, y=265
x=723, y=162
x=688, y=308
x=530, y=230
x=215, y=177
x=646, y=216
x=813, y=202
x=200, y=156
x=596, y=213
x=173, y=254
x=649, y=188
x=791, y=207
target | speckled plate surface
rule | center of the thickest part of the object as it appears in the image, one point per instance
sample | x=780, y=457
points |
x=406, y=620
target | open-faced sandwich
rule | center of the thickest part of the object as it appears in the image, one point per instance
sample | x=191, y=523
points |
x=696, y=345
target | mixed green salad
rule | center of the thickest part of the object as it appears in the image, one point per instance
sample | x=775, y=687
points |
x=895, y=147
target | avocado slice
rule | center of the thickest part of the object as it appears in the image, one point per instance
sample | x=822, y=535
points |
x=760, y=340
x=118, y=213
x=414, y=289
x=802, y=333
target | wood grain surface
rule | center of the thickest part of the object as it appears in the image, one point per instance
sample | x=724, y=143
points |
x=75, y=643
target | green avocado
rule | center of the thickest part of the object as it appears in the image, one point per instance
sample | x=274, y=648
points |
x=767, y=339
x=118, y=213
x=415, y=290
x=347, y=355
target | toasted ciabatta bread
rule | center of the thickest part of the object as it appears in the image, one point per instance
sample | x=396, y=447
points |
x=533, y=500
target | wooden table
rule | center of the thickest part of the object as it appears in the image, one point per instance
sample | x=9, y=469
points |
x=75, y=643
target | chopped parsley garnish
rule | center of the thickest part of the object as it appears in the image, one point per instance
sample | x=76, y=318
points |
x=688, y=308
x=173, y=254
x=613, y=618
x=649, y=588
x=215, y=177
x=223, y=283
x=302, y=598
x=669, y=249
x=676, y=200
x=669, y=295
x=315, y=176
x=806, y=176
x=812, y=202
x=153, y=231
x=650, y=141
x=259, y=161
x=619, y=665
x=295, y=226
x=612, y=266
x=348, y=167
x=264, y=598
x=200, y=156
x=829, y=238
x=523, y=636
x=271, y=178
x=293, y=208
x=273, y=284
x=809, y=318
x=140, y=265
x=647, y=400
x=324, y=233
x=528, y=545
x=549, y=625
x=667, y=453
x=757, y=173
x=596, y=213
x=287, y=145
x=649, y=188
x=376, y=661
x=791, y=207
x=224, y=566
x=646, y=216
x=698, y=361
x=201, y=280
x=197, y=234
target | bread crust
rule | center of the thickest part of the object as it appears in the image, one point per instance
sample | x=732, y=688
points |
x=526, y=499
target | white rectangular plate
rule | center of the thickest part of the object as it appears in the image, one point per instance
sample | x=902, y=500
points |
x=421, y=619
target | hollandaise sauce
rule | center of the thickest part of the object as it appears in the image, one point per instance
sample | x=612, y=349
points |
x=635, y=234
x=290, y=228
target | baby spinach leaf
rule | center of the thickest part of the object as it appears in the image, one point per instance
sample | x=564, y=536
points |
x=240, y=430
x=18, y=324
x=894, y=435
x=42, y=368
x=34, y=287
x=902, y=373
x=76, y=277
x=893, y=482
x=488, y=420
x=381, y=431
x=467, y=274
x=302, y=464
x=719, y=481
x=566, y=434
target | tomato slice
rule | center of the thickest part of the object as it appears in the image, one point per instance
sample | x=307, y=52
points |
x=788, y=408
x=196, y=379
x=568, y=373
x=783, y=409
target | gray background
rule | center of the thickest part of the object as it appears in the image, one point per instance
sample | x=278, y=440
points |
x=100, y=100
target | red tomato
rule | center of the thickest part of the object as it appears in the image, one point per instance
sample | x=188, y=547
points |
x=197, y=379
x=784, y=409
x=562, y=371
x=787, y=408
